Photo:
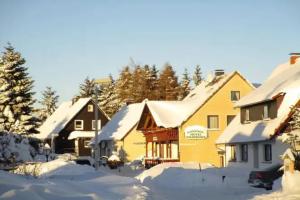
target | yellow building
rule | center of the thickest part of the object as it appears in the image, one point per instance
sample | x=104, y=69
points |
x=120, y=135
x=186, y=130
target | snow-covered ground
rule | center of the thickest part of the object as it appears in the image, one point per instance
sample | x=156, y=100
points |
x=63, y=179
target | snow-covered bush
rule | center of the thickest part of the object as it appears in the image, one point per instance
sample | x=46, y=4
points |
x=291, y=182
x=15, y=148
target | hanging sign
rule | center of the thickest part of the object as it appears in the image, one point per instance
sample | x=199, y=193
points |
x=195, y=132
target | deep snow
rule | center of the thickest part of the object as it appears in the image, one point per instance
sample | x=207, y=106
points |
x=63, y=179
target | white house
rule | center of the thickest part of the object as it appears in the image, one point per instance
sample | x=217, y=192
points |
x=251, y=139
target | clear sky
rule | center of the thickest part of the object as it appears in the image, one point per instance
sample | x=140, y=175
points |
x=65, y=41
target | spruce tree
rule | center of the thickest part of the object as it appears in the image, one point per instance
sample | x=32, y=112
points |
x=139, y=87
x=16, y=96
x=87, y=88
x=108, y=98
x=124, y=85
x=197, y=78
x=168, y=84
x=185, y=85
x=49, y=103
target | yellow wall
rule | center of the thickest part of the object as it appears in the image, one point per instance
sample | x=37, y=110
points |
x=133, y=144
x=204, y=150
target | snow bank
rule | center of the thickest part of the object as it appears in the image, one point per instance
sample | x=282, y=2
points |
x=291, y=182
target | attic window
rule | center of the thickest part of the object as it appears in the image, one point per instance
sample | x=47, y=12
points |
x=235, y=95
x=78, y=124
x=90, y=108
x=94, y=125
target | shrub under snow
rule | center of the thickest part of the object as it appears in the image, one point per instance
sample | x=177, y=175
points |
x=15, y=148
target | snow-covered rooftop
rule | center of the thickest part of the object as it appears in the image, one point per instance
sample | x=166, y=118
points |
x=171, y=114
x=81, y=134
x=285, y=79
x=60, y=118
x=122, y=122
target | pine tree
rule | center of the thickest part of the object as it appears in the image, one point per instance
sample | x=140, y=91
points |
x=153, y=84
x=139, y=87
x=124, y=85
x=49, y=103
x=168, y=84
x=87, y=88
x=16, y=96
x=108, y=98
x=197, y=78
x=185, y=85
x=292, y=134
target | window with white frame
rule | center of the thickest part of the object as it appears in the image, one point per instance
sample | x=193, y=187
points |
x=78, y=124
x=90, y=108
x=212, y=121
x=86, y=143
x=235, y=95
x=266, y=112
x=244, y=152
x=268, y=152
x=94, y=125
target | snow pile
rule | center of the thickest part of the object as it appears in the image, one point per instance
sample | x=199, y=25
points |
x=291, y=182
x=114, y=157
x=63, y=179
x=15, y=148
x=186, y=180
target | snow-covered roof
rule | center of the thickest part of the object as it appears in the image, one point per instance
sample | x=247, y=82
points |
x=81, y=134
x=60, y=118
x=171, y=114
x=122, y=122
x=285, y=79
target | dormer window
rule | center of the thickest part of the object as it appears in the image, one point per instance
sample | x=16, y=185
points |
x=90, y=108
x=266, y=112
x=235, y=95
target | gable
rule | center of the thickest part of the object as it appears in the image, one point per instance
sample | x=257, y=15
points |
x=147, y=121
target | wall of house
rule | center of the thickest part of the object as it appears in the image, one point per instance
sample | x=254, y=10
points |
x=205, y=150
x=278, y=149
x=134, y=145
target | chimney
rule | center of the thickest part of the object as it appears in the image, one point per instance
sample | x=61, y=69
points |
x=293, y=57
x=219, y=72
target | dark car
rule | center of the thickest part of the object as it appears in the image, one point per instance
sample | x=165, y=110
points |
x=266, y=177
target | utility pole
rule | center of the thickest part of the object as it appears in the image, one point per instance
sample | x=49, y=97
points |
x=96, y=146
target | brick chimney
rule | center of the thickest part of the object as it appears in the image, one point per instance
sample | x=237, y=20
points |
x=293, y=57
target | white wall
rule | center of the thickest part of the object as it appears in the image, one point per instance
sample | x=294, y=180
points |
x=278, y=149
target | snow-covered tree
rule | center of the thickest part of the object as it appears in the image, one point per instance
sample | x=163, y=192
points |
x=49, y=103
x=185, y=85
x=197, y=78
x=108, y=98
x=16, y=96
x=168, y=83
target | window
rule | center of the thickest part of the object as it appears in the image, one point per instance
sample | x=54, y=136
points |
x=244, y=152
x=230, y=118
x=213, y=121
x=86, y=143
x=232, y=153
x=268, y=152
x=94, y=125
x=78, y=124
x=247, y=115
x=266, y=112
x=235, y=95
x=90, y=108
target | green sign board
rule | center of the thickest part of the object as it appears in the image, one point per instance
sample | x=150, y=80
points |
x=195, y=132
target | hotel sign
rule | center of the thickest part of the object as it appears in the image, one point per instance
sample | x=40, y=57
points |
x=195, y=132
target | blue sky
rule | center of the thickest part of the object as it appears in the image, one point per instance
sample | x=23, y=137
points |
x=65, y=41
